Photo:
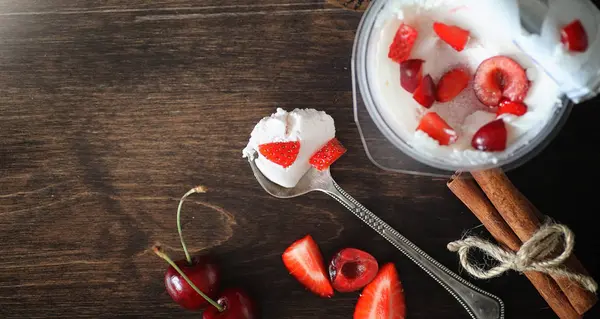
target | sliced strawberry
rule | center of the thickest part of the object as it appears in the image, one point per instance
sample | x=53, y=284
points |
x=411, y=74
x=456, y=37
x=451, y=84
x=282, y=153
x=437, y=128
x=383, y=298
x=491, y=137
x=510, y=107
x=304, y=261
x=498, y=77
x=328, y=154
x=404, y=40
x=425, y=92
x=574, y=37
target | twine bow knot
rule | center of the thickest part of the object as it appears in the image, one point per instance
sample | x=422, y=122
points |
x=540, y=253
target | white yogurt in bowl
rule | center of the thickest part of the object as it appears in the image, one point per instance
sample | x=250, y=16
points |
x=397, y=114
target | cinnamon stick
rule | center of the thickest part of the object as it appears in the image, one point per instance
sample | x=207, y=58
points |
x=469, y=193
x=522, y=217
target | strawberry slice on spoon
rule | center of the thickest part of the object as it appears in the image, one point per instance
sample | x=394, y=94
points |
x=327, y=154
x=383, y=297
x=282, y=153
x=304, y=261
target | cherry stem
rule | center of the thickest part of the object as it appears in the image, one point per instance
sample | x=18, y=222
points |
x=158, y=251
x=197, y=189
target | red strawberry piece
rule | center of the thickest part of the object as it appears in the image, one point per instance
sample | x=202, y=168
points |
x=491, y=137
x=282, y=153
x=352, y=269
x=574, y=37
x=304, y=261
x=383, y=298
x=498, y=77
x=411, y=74
x=437, y=128
x=327, y=155
x=425, y=92
x=404, y=40
x=510, y=107
x=451, y=84
x=456, y=37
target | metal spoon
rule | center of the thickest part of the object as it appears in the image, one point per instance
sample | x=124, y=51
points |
x=478, y=303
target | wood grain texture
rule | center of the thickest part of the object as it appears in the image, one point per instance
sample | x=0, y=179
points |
x=111, y=110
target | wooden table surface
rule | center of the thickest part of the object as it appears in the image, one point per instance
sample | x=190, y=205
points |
x=111, y=110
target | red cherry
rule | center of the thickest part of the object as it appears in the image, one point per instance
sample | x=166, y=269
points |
x=425, y=92
x=411, y=73
x=351, y=269
x=491, y=137
x=203, y=272
x=574, y=37
x=236, y=305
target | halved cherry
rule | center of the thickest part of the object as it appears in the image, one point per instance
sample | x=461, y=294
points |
x=574, y=37
x=435, y=126
x=411, y=73
x=491, y=137
x=510, y=107
x=425, y=92
x=351, y=269
x=498, y=77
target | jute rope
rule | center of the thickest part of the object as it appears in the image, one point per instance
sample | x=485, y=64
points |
x=536, y=254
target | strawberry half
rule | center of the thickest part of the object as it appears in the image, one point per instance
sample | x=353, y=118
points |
x=304, y=261
x=435, y=126
x=574, y=37
x=327, y=155
x=411, y=74
x=456, y=37
x=425, y=92
x=282, y=153
x=451, y=84
x=491, y=137
x=498, y=77
x=510, y=107
x=404, y=40
x=383, y=298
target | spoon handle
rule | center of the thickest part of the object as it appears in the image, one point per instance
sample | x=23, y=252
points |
x=478, y=303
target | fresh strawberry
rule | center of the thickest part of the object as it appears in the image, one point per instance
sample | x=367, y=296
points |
x=491, y=137
x=498, y=77
x=403, y=43
x=510, y=107
x=411, y=74
x=456, y=37
x=383, y=298
x=437, y=128
x=425, y=92
x=282, y=153
x=451, y=84
x=574, y=37
x=304, y=261
x=328, y=154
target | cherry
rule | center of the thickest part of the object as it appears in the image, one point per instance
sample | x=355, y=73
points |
x=351, y=269
x=236, y=305
x=411, y=73
x=491, y=137
x=203, y=272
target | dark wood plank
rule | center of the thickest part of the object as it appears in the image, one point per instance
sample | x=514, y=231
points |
x=111, y=110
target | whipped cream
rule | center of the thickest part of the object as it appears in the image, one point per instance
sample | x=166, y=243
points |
x=310, y=127
x=465, y=113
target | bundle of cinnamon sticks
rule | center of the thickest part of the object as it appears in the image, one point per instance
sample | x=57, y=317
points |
x=511, y=219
